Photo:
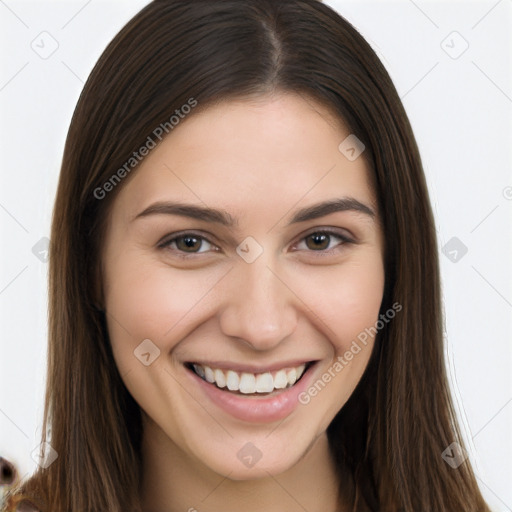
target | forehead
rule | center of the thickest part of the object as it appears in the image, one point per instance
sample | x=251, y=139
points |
x=260, y=155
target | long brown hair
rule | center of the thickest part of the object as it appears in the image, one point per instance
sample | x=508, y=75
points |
x=389, y=437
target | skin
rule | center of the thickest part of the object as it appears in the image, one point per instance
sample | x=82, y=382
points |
x=261, y=160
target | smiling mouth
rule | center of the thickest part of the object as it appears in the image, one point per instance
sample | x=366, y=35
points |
x=247, y=383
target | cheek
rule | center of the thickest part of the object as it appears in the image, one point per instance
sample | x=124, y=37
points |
x=145, y=299
x=346, y=298
x=347, y=301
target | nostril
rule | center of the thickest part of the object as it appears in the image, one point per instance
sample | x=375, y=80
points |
x=7, y=472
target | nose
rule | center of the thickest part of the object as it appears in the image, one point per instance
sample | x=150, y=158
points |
x=259, y=309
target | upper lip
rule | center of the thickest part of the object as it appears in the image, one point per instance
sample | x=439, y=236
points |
x=252, y=368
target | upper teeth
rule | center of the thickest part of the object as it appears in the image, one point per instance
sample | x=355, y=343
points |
x=250, y=382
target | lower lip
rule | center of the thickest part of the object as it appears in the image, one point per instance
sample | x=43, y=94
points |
x=256, y=409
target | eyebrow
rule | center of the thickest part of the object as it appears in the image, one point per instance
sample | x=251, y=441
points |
x=222, y=217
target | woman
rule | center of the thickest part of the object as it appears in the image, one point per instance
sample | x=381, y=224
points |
x=245, y=305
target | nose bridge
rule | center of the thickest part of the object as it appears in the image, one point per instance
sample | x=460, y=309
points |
x=259, y=309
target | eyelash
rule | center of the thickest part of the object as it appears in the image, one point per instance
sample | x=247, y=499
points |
x=185, y=255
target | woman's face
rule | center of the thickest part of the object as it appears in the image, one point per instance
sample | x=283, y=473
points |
x=245, y=250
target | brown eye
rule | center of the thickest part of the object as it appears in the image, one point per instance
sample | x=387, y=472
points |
x=323, y=241
x=188, y=243
x=318, y=241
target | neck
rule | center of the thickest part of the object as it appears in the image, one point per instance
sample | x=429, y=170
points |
x=174, y=481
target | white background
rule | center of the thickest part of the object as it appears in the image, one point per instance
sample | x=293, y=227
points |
x=460, y=109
